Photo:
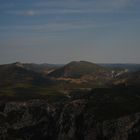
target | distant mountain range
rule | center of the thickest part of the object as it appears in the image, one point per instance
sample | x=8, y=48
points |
x=130, y=67
x=41, y=68
x=76, y=72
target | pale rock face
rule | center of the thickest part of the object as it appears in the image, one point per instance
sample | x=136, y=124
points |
x=18, y=64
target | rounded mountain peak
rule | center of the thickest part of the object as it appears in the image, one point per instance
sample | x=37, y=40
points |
x=77, y=69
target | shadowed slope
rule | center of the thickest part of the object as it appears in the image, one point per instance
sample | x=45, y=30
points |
x=12, y=74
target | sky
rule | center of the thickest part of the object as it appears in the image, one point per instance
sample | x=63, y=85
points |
x=60, y=31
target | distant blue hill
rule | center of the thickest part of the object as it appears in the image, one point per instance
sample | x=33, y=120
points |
x=130, y=67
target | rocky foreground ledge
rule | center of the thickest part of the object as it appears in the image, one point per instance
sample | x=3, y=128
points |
x=77, y=119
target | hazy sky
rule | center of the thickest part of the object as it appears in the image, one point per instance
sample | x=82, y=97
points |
x=59, y=31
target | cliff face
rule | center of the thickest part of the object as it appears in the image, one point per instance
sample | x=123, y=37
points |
x=37, y=119
x=27, y=120
x=76, y=123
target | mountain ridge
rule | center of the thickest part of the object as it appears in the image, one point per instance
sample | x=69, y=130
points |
x=77, y=69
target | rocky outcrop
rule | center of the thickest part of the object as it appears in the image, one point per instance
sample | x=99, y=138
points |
x=28, y=121
x=73, y=120
x=78, y=124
